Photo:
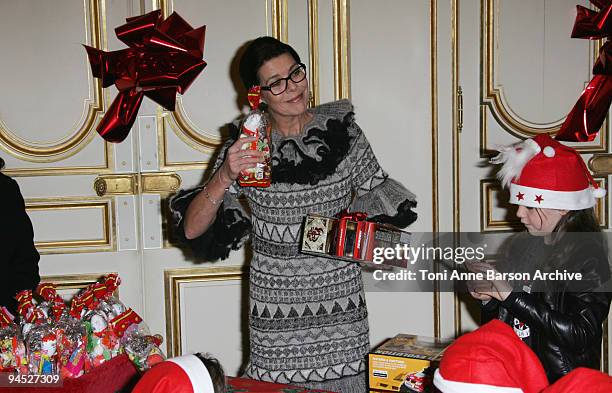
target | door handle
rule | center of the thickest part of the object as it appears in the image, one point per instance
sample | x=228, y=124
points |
x=134, y=183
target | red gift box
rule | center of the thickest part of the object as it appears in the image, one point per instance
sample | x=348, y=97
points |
x=251, y=386
x=115, y=375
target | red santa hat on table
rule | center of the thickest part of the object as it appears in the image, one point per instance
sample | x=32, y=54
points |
x=544, y=173
x=491, y=359
x=184, y=374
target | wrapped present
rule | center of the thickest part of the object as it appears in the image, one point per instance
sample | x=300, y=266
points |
x=256, y=125
x=405, y=363
x=350, y=237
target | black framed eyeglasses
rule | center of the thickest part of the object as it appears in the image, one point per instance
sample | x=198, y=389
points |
x=279, y=86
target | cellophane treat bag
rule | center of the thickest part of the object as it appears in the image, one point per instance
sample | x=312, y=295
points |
x=12, y=349
x=141, y=347
x=102, y=342
x=256, y=124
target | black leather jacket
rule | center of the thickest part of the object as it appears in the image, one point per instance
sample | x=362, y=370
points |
x=564, y=318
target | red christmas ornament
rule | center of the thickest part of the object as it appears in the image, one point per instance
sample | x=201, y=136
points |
x=164, y=57
x=585, y=119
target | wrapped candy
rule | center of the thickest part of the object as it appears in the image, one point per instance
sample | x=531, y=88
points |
x=144, y=351
x=141, y=347
x=41, y=348
x=256, y=125
x=12, y=349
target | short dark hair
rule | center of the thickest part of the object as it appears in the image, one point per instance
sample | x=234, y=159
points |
x=257, y=53
x=215, y=370
x=1, y=163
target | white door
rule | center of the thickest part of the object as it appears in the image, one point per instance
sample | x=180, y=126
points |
x=520, y=74
x=49, y=107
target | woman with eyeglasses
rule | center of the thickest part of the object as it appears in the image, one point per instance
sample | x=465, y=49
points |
x=307, y=315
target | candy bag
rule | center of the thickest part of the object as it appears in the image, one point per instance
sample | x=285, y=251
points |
x=256, y=125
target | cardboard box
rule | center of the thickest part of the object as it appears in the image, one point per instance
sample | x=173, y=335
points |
x=405, y=363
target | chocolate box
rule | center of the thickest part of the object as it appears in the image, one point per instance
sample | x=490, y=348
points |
x=349, y=240
x=405, y=363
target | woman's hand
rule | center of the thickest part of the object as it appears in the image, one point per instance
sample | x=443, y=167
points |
x=237, y=160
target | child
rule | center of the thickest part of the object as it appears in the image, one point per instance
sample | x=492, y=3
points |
x=560, y=320
x=492, y=359
x=199, y=373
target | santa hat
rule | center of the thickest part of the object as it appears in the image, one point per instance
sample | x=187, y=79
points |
x=544, y=173
x=582, y=380
x=184, y=374
x=491, y=359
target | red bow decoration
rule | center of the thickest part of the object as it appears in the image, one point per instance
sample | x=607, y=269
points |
x=586, y=117
x=164, y=57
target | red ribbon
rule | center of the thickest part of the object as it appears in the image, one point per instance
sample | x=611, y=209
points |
x=254, y=97
x=112, y=282
x=100, y=291
x=584, y=121
x=353, y=216
x=164, y=57
x=6, y=318
x=124, y=320
x=76, y=307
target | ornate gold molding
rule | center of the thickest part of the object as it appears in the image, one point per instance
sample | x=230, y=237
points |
x=342, y=39
x=313, y=54
x=73, y=281
x=106, y=243
x=493, y=96
x=457, y=123
x=280, y=20
x=488, y=187
x=95, y=19
x=173, y=279
x=180, y=123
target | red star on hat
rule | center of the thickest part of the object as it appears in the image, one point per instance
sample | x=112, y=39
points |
x=539, y=198
x=520, y=196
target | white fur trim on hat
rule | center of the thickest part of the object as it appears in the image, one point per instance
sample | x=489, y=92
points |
x=197, y=372
x=514, y=158
x=446, y=386
x=564, y=200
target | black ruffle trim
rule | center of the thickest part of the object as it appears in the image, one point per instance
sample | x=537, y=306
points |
x=311, y=170
x=404, y=217
x=226, y=232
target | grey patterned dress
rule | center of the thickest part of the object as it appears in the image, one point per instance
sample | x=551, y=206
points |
x=308, y=318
